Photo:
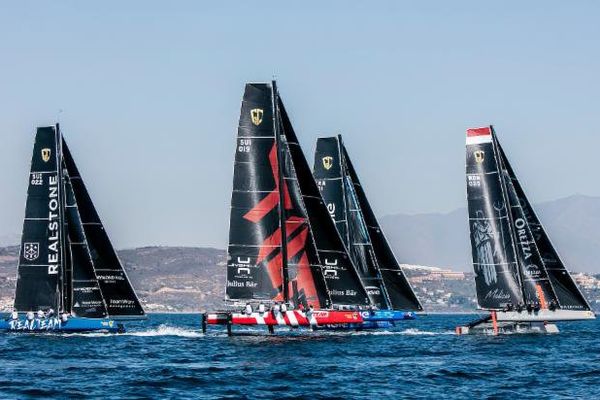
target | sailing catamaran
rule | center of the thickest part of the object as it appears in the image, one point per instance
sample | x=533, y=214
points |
x=388, y=289
x=284, y=251
x=69, y=276
x=519, y=275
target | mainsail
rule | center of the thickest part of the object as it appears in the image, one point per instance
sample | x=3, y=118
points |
x=41, y=257
x=280, y=246
x=348, y=206
x=67, y=262
x=514, y=261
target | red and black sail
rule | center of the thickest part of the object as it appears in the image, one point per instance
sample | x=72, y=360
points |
x=276, y=237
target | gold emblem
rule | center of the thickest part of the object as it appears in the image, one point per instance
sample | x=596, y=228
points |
x=328, y=162
x=479, y=156
x=257, y=116
x=46, y=154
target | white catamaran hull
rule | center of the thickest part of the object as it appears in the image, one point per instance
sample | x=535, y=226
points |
x=544, y=316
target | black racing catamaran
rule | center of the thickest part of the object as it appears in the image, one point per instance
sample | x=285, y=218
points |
x=388, y=289
x=69, y=275
x=284, y=251
x=519, y=275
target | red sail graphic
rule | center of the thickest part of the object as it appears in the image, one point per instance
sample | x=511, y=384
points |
x=297, y=234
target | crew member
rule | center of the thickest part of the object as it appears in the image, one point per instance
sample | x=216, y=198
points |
x=41, y=314
x=261, y=308
x=30, y=316
x=248, y=309
x=283, y=308
x=14, y=315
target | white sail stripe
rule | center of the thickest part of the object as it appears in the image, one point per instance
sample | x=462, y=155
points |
x=43, y=172
x=36, y=219
x=508, y=263
x=482, y=173
x=77, y=243
x=91, y=223
x=488, y=219
x=479, y=139
x=256, y=137
x=33, y=265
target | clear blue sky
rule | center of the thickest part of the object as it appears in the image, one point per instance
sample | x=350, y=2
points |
x=151, y=93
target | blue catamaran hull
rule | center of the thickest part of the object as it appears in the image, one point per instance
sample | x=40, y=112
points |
x=73, y=324
x=377, y=319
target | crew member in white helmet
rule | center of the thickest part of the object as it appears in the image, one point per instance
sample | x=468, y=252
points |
x=248, y=309
x=261, y=308
x=50, y=313
x=41, y=314
x=276, y=310
x=30, y=316
x=14, y=315
x=283, y=307
x=64, y=317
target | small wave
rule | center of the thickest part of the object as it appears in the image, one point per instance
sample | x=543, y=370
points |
x=166, y=330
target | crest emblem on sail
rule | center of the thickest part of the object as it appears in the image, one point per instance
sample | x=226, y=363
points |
x=31, y=251
x=479, y=156
x=257, y=115
x=327, y=162
x=46, y=154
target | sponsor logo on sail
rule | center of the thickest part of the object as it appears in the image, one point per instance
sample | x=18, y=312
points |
x=479, y=156
x=31, y=251
x=257, y=116
x=53, y=225
x=327, y=162
x=46, y=152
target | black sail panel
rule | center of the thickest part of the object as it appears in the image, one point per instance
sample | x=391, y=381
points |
x=566, y=291
x=327, y=170
x=537, y=289
x=255, y=268
x=497, y=277
x=40, y=259
x=116, y=289
x=341, y=276
x=254, y=252
x=396, y=287
x=338, y=193
x=85, y=298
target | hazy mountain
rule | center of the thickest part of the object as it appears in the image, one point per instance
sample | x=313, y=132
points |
x=573, y=224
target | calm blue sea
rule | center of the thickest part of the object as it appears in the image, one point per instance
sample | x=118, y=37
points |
x=168, y=357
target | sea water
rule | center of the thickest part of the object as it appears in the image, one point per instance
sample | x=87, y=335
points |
x=167, y=356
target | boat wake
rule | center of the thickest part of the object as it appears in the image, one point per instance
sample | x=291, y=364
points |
x=162, y=330
x=166, y=330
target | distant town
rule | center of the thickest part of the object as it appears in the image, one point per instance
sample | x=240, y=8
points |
x=190, y=279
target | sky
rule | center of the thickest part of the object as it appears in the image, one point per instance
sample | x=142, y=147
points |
x=148, y=95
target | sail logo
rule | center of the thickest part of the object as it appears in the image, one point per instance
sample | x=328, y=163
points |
x=331, y=268
x=31, y=251
x=523, y=237
x=479, y=156
x=327, y=162
x=256, y=114
x=46, y=152
x=53, y=225
x=331, y=209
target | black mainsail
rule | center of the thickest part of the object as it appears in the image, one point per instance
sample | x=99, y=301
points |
x=41, y=257
x=347, y=203
x=515, y=264
x=82, y=275
x=281, y=247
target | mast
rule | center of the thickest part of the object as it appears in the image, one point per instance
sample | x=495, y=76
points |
x=281, y=183
x=65, y=279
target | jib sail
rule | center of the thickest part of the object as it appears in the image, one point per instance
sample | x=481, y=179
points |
x=119, y=297
x=41, y=257
x=83, y=291
x=563, y=288
x=343, y=281
x=339, y=194
x=399, y=291
x=497, y=276
x=271, y=253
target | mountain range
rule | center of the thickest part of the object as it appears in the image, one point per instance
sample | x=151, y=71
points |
x=442, y=240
